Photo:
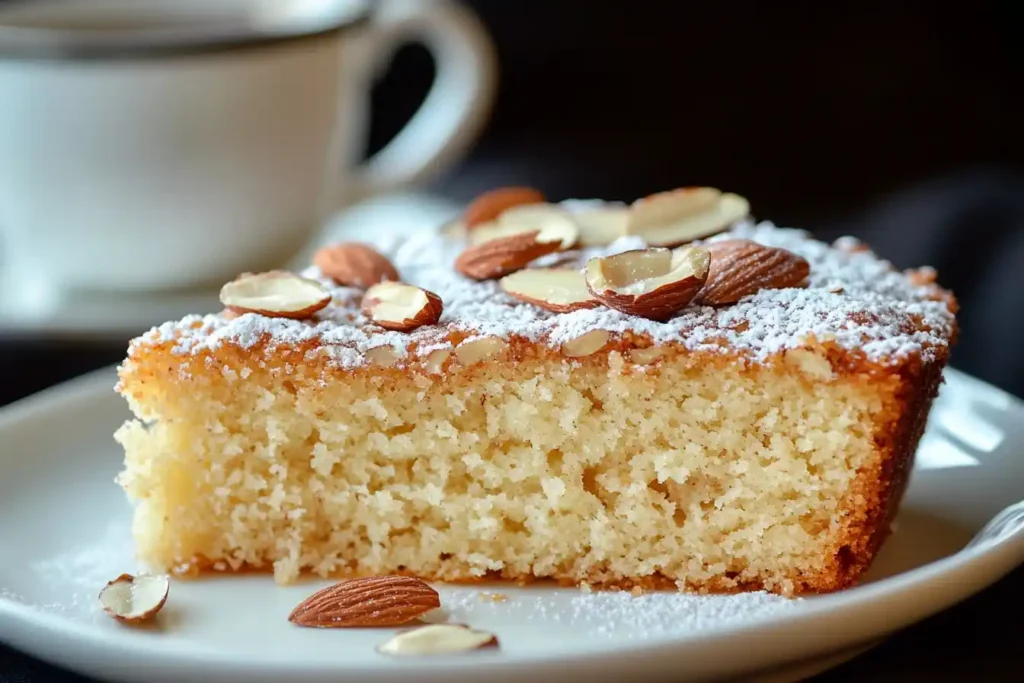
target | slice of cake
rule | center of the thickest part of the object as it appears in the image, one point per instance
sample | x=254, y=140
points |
x=665, y=394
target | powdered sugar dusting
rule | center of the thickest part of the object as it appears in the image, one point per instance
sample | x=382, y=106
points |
x=854, y=299
x=619, y=615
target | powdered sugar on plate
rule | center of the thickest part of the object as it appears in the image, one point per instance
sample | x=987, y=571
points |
x=618, y=615
x=854, y=298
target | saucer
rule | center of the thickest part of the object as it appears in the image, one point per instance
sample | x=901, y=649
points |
x=29, y=308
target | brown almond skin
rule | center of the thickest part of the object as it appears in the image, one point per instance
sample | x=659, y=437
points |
x=492, y=204
x=428, y=315
x=740, y=268
x=351, y=264
x=369, y=601
x=145, y=616
x=497, y=258
x=659, y=304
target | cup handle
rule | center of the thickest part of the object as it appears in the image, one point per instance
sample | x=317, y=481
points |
x=457, y=105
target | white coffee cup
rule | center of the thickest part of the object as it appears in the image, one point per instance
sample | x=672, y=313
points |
x=160, y=144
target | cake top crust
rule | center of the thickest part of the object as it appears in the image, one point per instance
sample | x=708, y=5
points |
x=853, y=300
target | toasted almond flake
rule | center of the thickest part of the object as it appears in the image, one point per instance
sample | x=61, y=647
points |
x=434, y=362
x=499, y=257
x=490, y=205
x=352, y=264
x=476, y=350
x=673, y=218
x=527, y=219
x=438, y=639
x=556, y=289
x=384, y=356
x=401, y=307
x=368, y=601
x=586, y=344
x=646, y=356
x=275, y=294
x=135, y=599
x=651, y=283
x=599, y=227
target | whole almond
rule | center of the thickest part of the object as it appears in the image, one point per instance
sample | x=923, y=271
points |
x=490, y=205
x=351, y=264
x=740, y=268
x=370, y=601
x=499, y=257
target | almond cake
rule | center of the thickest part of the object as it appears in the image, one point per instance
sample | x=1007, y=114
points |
x=662, y=394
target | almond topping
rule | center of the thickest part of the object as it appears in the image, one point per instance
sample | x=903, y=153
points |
x=669, y=219
x=276, y=294
x=556, y=289
x=490, y=205
x=135, y=599
x=647, y=355
x=401, y=307
x=474, y=351
x=650, y=283
x=740, y=268
x=586, y=344
x=370, y=601
x=599, y=227
x=438, y=639
x=351, y=264
x=527, y=218
x=499, y=257
x=384, y=356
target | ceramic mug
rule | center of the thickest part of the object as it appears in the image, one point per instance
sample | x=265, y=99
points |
x=163, y=144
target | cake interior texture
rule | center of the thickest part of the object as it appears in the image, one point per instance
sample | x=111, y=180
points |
x=694, y=472
x=760, y=445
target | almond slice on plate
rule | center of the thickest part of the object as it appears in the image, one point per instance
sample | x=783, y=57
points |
x=438, y=639
x=351, y=264
x=651, y=283
x=524, y=218
x=740, y=268
x=401, y=307
x=276, y=294
x=135, y=599
x=492, y=204
x=555, y=289
x=669, y=219
x=499, y=257
x=369, y=601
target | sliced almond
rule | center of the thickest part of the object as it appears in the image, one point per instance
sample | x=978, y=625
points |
x=740, y=268
x=135, y=599
x=525, y=218
x=586, y=344
x=650, y=283
x=370, y=601
x=476, y=350
x=599, y=227
x=401, y=307
x=499, y=257
x=385, y=356
x=434, y=362
x=276, y=294
x=669, y=219
x=354, y=265
x=646, y=356
x=556, y=289
x=438, y=639
x=490, y=205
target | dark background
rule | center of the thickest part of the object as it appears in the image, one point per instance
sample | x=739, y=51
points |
x=897, y=122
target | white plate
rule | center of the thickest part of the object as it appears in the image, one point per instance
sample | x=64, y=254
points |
x=64, y=532
x=30, y=308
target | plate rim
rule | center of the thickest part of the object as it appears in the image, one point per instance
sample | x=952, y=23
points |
x=834, y=621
